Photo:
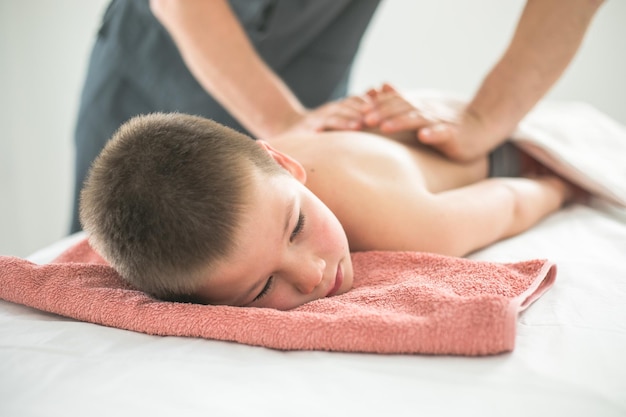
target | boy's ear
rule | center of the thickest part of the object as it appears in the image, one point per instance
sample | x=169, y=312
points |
x=294, y=167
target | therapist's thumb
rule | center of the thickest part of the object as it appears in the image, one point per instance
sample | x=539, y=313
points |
x=437, y=134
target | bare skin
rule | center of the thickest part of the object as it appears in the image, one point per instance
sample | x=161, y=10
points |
x=357, y=191
x=393, y=194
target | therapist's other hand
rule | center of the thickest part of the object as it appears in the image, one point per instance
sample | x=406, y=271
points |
x=343, y=114
x=463, y=139
x=390, y=112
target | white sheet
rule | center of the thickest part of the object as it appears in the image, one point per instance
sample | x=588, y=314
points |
x=570, y=358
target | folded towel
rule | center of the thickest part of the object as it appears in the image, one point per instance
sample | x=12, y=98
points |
x=571, y=138
x=402, y=302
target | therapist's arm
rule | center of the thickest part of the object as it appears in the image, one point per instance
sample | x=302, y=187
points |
x=547, y=37
x=218, y=53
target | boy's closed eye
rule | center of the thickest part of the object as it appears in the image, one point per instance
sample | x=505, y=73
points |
x=265, y=290
x=298, y=228
x=294, y=234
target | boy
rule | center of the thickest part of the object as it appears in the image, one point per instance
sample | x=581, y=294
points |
x=189, y=210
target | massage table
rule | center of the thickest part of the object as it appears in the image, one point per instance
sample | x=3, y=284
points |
x=569, y=357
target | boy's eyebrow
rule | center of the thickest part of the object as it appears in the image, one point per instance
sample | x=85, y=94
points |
x=261, y=282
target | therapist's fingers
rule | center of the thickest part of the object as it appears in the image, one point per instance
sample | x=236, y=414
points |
x=372, y=94
x=392, y=112
x=395, y=114
x=358, y=103
x=336, y=122
x=388, y=88
x=384, y=89
x=438, y=134
x=447, y=139
x=411, y=120
x=465, y=139
x=343, y=118
x=345, y=114
x=384, y=109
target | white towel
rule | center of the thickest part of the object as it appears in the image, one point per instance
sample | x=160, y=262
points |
x=573, y=139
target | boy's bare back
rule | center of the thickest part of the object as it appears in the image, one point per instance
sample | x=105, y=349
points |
x=397, y=195
x=379, y=188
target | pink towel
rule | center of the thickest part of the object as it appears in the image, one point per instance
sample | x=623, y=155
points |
x=402, y=302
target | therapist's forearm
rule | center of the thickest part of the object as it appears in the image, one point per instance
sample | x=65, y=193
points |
x=546, y=39
x=219, y=55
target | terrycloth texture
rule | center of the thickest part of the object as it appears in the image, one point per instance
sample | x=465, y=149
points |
x=573, y=139
x=402, y=302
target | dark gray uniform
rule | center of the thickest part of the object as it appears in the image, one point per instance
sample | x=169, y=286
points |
x=135, y=68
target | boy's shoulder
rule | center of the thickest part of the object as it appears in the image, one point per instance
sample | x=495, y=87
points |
x=363, y=178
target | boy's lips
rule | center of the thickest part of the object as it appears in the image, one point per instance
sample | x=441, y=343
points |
x=338, y=282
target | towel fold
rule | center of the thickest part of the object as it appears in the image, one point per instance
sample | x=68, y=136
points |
x=402, y=302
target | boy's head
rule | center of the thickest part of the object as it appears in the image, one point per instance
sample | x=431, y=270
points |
x=164, y=197
x=174, y=202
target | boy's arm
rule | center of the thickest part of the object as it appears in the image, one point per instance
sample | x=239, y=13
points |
x=472, y=217
x=460, y=221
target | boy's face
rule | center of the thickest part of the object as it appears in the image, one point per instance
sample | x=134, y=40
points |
x=290, y=248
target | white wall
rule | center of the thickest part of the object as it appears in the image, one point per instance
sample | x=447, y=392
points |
x=447, y=45
x=44, y=47
x=451, y=44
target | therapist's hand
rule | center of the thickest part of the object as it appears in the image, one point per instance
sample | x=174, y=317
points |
x=466, y=137
x=546, y=39
x=391, y=113
x=465, y=140
x=343, y=114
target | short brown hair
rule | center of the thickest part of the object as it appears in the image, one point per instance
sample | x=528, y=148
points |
x=164, y=198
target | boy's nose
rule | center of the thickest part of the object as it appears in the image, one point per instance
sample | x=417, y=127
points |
x=307, y=277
